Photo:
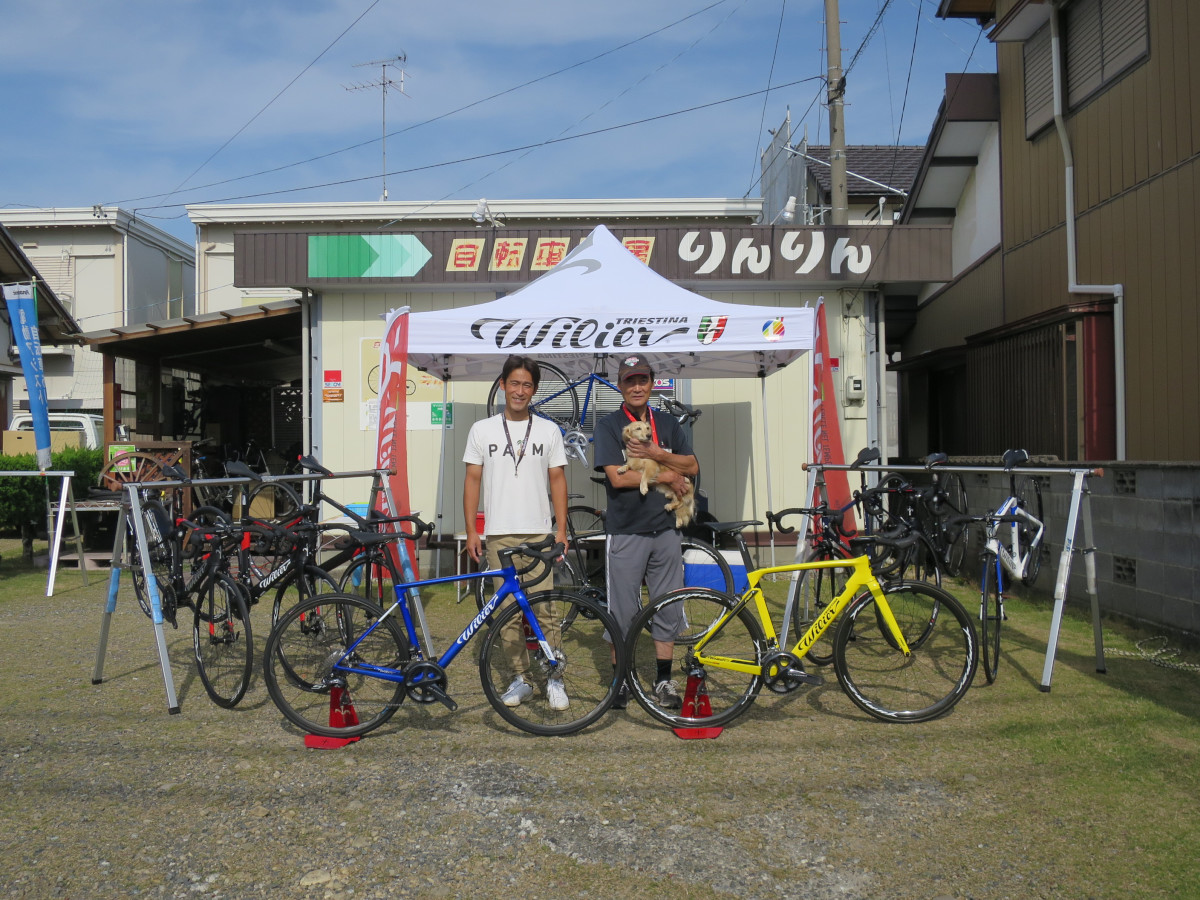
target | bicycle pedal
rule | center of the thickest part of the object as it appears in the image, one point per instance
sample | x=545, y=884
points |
x=803, y=677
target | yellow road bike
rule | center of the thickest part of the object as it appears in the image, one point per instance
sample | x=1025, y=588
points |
x=903, y=652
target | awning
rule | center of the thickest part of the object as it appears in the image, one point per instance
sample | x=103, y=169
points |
x=254, y=344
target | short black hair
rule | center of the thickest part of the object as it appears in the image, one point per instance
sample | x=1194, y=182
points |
x=528, y=363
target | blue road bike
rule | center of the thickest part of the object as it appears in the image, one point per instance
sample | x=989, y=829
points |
x=340, y=665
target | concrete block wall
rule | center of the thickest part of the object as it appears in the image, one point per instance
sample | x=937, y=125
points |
x=1146, y=523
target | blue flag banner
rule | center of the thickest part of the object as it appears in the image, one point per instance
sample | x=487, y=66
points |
x=22, y=314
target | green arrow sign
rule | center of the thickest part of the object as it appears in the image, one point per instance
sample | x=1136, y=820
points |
x=365, y=255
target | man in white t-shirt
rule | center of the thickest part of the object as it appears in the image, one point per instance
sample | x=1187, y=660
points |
x=516, y=465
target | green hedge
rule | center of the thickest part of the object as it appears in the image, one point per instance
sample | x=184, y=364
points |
x=23, y=500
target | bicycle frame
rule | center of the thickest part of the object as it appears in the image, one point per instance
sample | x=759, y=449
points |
x=1014, y=560
x=510, y=586
x=860, y=578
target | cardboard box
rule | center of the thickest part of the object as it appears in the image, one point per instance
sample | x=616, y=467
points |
x=16, y=442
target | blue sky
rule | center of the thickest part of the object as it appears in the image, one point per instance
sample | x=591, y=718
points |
x=150, y=104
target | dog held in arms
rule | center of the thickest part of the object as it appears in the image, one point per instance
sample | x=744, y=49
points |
x=684, y=507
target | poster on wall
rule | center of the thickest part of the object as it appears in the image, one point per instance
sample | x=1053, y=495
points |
x=424, y=402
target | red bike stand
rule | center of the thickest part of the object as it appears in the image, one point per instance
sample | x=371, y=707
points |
x=696, y=706
x=341, y=714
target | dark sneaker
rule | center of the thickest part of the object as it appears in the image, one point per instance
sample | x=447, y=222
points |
x=621, y=698
x=667, y=695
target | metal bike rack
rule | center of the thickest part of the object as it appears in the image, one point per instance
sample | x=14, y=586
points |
x=1081, y=510
x=131, y=505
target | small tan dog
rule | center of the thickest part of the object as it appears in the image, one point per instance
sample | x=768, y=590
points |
x=684, y=507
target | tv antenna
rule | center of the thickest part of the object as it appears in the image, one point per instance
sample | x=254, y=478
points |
x=384, y=82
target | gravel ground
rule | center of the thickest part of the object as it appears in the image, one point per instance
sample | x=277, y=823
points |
x=106, y=795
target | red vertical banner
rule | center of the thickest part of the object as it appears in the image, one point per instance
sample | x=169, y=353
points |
x=392, y=447
x=827, y=434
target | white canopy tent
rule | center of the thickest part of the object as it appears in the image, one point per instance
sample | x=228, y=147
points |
x=602, y=300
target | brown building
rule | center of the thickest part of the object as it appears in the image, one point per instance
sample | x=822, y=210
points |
x=1073, y=333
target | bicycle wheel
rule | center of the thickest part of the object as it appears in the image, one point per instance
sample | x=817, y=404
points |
x=223, y=641
x=555, y=398
x=812, y=592
x=1029, y=492
x=585, y=530
x=299, y=587
x=882, y=681
x=955, y=536
x=299, y=661
x=157, y=527
x=692, y=613
x=273, y=501
x=920, y=562
x=575, y=627
x=705, y=567
x=990, y=615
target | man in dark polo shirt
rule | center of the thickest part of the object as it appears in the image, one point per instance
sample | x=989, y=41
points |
x=643, y=543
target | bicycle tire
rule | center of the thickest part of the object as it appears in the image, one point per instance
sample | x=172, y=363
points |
x=921, y=562
x=576, y=628
x=223, y=640
x=956, y=536
x=892, y=686
x=555, y=398
x=585, y=531
x=273, y=501
x=310, y=636
x=1029, y=493
x=812, y=592
x=990, y=615
x=299, y=586
x=155, y=522
x=704, y=554
x=729, y=693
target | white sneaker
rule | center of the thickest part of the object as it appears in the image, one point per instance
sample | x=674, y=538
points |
x=517, y=692
x=556, y=694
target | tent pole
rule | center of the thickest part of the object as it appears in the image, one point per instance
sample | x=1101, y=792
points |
x=442, y=460
x=762, y=378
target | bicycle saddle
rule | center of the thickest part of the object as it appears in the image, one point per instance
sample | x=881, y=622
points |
x=865, y=455
x=1015, y=458
x=730, y=527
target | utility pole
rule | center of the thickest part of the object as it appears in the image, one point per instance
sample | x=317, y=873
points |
x=835, y=94
x=384, y=82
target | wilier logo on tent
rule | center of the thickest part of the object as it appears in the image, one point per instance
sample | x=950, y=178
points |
x=711, y=328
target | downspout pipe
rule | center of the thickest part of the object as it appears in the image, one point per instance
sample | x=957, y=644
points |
x=1116, y=291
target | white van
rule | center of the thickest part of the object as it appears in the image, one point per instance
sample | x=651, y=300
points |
x=88, y=424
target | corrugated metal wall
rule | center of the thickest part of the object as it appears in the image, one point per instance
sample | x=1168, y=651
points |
x=1014, y=403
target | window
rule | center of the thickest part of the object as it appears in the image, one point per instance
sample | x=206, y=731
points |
x=1102, y=40
x=1039, y=82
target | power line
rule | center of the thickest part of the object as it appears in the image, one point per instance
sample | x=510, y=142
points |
x=762, y=119
x=415, y=125
x=279, y=94
x=495, y=153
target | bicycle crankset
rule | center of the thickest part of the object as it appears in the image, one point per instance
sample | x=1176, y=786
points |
x=575, y=443
x=782, y=673
x=426, y=683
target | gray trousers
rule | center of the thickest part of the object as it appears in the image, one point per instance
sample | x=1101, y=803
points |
x=655, y=558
